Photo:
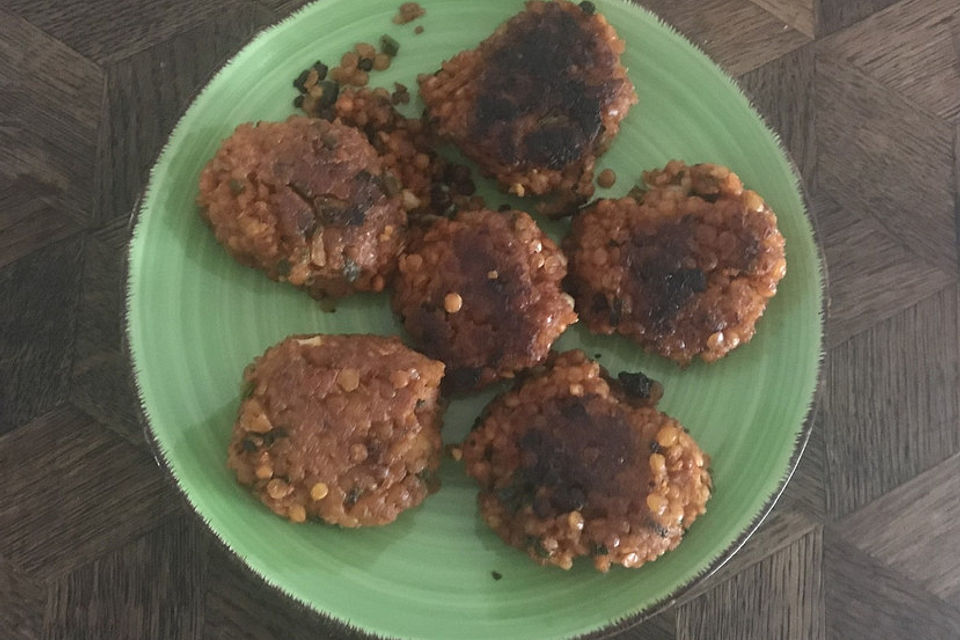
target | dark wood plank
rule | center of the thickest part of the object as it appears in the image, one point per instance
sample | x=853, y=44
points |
x=779, y=531
x=30, y=217
x=909, y=47
x=873, y=275
x=83, y=492
x=865, y=600
x=48, y=133
x=147, y=93
x=780, y=597
x=283, y=8
x=915, y=530
x=133, y=25
x=21, y=604
x=661, y=627
x=39, y=294
x=737, y=34
x=239, y=606
x=882, y=157
x=102, y=384
x=782, y=90
x=890, y=405
x=150, y=588
x=834, y=15
x=798, y=14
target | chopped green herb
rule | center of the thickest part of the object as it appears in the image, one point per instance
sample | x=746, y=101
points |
x=237, y=187
x=599, y=550
x=496, y=575
x=588, y=7
x=352, y=496
x=283, y=268
x=351, y=270
x=365, y=64
x=389, y=46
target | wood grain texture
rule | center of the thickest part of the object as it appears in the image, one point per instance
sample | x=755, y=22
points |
x=39, y=293
x=146, y=94
x=21, y=604
x=911, y=48
x=864, y=600
x=102, y=384
x=834, y=15
x=240, y=606
x=46, y=177
x=779, y=597
x=105, y=30
x=150, y=588
x=94, y=542
x=738, y=34
x=908, y=189
x=891, y=402
x=873, y=274
x=798, y=14
x=83, y=491
x=915, y=530
x=782, y=91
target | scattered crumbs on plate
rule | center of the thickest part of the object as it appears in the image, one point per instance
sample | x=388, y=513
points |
x=496, y=575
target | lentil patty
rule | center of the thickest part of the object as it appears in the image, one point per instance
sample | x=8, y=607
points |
x=535, y=103
x=684, y=268
x=482, y=293
x=303, y=200
x=573, y=463
x=341, y=428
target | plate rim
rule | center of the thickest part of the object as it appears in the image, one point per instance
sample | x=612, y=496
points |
x=344, y=628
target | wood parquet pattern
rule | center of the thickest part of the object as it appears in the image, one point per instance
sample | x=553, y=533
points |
x=865, y=543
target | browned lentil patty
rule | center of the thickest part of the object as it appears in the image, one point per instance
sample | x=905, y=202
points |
x=535, y=103
x=343, y=428
x=482, y=293
x=685, y=268
x=432, y=185
x=304, y=201
x=573, y=463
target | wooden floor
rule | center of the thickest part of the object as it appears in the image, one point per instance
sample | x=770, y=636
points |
x=866, y=541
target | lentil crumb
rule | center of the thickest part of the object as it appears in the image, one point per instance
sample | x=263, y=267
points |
x=319, y=491
x=452, y=302
x=607, y=178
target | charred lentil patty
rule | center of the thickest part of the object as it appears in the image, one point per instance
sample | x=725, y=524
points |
x=482, y=293
x=343, y=428
x=685, y=267
x=304, y=201
x=573, y=463
x=537, y=101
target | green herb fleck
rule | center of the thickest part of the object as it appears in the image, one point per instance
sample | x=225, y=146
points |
x=389, y=46
x=496, y=575
x=283, y=268
x=237, y=187
x=599, y=550
x=351, y=270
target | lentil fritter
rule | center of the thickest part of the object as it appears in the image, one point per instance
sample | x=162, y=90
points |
x=684, y=266
x=342, y=428
x=482, y=293
x=304, y=200
x=535, y=103
x=571, y=462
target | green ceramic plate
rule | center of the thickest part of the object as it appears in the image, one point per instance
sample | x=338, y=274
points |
x=196, y=318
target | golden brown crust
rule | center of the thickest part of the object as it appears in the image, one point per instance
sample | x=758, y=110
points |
x=304, y=201
x=482, y=293
x=535, y=103
x=572, y=463
x=686, y=270
x=341, y=428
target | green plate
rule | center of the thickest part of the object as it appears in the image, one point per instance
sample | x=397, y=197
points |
x=196, y=318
